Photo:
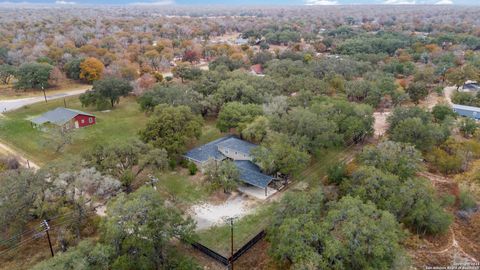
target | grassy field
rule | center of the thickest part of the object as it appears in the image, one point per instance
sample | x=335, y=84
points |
x=182, y=188
x=218, y=238
x=120, y=124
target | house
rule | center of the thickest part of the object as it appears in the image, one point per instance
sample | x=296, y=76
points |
x=241, y=41
x=470, y=86
x=467, y=111
x=257, y=70
x=233, y=148
x=65, y=118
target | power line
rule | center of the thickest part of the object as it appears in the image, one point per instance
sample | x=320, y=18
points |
x=35, y=229
x=21, y=244
x=20, y=235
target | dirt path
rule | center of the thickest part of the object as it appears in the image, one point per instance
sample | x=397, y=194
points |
x=435, y=178
x=454, y=248
x=23, y=161
x=448, y=91
x=380, y=126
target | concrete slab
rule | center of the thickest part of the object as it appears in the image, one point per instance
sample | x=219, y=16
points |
x=207, y=215
x=257, y=193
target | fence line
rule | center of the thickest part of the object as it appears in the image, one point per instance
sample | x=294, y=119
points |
x=226, y=261
x=210, y=253
x=248, y=245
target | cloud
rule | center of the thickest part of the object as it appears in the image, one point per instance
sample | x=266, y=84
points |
x=9, y=3
x=63, y=2
x=321, y=2
x=399, y=2
x=444, y=2
x=154, y=3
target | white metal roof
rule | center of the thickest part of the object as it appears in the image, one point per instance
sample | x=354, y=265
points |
x=465, y=107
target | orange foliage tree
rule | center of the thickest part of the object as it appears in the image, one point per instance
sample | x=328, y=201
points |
x=91, y=69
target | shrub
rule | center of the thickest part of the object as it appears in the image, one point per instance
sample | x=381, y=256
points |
x=467, y=127
x=192, y=168
x=337, y=173
x=172, y=163
x=467, y=201
x=184, y=163
x=447, y=200
x=439, y=91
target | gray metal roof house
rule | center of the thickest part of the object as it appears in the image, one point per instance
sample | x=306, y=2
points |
x=470, y=86
x=467, y=111
x=237, y=150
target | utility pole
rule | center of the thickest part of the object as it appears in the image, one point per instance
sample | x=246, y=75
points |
x=47, y=228
x=153, y=181
x=231, y=241
x=230, y=220
x=44, y=94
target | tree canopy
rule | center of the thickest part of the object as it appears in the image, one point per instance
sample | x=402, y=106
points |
x=301, y=237
x=33, y=75
x=106, y=91
x=163, y=130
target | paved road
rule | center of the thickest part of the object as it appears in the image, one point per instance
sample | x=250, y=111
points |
x=13, y=104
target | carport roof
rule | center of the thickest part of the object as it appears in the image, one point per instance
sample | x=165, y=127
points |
x=251, y=174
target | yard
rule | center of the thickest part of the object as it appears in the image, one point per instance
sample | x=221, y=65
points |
x=217, y=238
x=120, y=124
x=182, y=188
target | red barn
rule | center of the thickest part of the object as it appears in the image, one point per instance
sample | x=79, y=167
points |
x=257, y=70
x=65, y=118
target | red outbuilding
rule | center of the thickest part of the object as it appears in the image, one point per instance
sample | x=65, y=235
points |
x=65, y=118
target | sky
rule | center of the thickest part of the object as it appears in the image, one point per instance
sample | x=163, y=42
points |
x=242, y=2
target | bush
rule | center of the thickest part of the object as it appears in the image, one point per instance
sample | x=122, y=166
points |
x=337, y=173
x=467, y=127
x=172, y=163
x=184, y=163
x=447, y=200
x=467, y=201
x=192, y=168
x=442, y=111
x=445, y=162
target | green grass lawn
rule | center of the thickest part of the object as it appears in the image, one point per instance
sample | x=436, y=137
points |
x=181, y=187
x=218, y=238
x=120, y=124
